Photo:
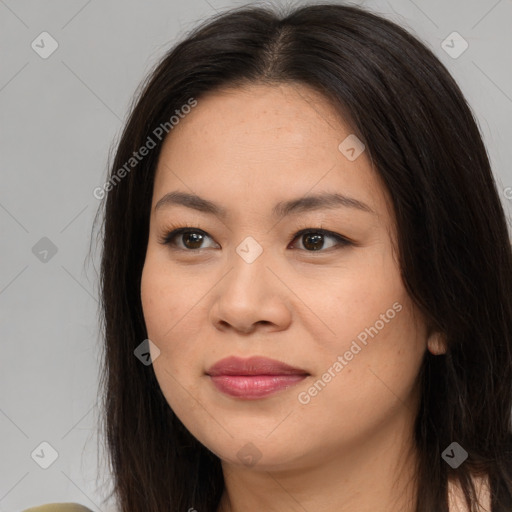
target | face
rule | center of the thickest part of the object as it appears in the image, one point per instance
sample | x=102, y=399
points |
x=243, y=281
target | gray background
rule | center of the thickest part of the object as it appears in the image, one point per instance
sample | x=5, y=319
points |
x=59, y=118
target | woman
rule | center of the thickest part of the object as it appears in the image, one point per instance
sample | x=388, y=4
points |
x=303, y=235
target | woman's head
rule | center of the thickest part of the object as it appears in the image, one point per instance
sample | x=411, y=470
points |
x=403, y=324
x=250, y=286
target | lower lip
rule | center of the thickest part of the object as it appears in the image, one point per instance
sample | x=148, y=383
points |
x=254, y=386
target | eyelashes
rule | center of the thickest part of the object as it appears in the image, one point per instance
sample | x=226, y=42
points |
x=313, y=240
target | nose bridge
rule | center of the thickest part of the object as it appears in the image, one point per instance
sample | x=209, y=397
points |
x=248, y=291
x=249, y=262
x=249, y=250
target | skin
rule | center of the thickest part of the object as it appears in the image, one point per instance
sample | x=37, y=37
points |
x=350, y=447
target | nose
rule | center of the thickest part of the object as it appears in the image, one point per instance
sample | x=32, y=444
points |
x=251, y=297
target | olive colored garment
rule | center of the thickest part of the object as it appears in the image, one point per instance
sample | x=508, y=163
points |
x=59, y=507
x=455, y=498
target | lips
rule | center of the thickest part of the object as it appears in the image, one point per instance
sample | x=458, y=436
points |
x=253, y=366
x=253, y=378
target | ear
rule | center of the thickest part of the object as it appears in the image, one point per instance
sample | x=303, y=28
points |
x=436, y=343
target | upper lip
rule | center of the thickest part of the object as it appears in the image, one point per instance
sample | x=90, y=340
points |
x=253, y=366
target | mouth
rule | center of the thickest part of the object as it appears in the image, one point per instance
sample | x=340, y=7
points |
x=253, y=378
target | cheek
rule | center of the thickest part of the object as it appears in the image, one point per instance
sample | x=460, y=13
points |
x=373, y=349
x=167, y=299
x=170, y=310
x=353, y=299
x=377, y=336
x=354, y=396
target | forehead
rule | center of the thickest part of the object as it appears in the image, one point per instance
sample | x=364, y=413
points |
x=264, y=142
x=256, y=117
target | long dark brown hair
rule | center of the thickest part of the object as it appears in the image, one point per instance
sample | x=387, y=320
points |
x=454, y=248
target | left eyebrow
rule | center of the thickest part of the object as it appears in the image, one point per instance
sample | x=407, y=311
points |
x=318, y=202
x=281, y=209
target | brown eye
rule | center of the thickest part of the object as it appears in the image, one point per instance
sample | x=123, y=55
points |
x=192, y=240
x=186, y=239
x=315, y=239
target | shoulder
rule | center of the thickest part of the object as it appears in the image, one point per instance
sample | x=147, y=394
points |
x=59, y=507
x=457, y=502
